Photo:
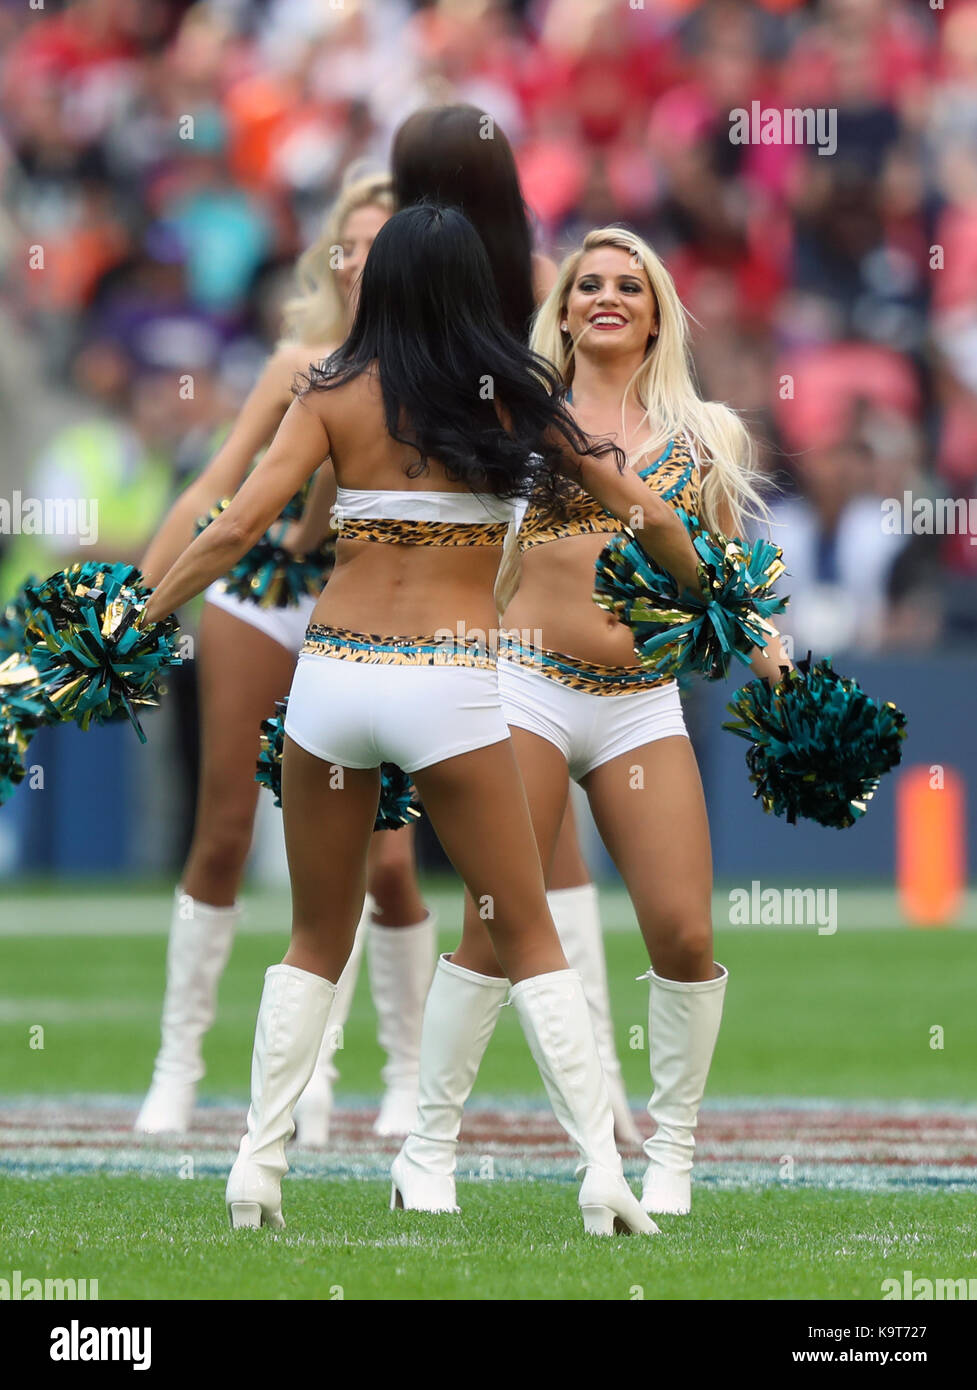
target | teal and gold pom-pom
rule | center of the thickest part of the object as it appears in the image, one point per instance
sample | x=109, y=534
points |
x=683, y=633
x=24, y=707
x=13, y=620
x=271, y=742
x=270, y=575
x=13, y=746
x=22, y=694
x=819, y=744
x=398, y=797
x=92, y=661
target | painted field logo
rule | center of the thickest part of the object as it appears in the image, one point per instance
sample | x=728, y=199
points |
x=784, y=907
x=18, y=1289
x=766, y=125
x=929, y=1290
x=77, y=1343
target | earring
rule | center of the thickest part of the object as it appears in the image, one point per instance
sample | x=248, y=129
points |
x=564, y=328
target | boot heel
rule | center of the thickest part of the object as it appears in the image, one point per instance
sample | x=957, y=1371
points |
x=244, y=1214
x=601, y=1221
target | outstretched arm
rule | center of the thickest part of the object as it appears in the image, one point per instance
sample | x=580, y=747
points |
x=657, y=526
x=257, y=422
x=316, y=523
x=300, y=445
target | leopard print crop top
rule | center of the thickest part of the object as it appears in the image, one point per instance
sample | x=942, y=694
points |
x=674, y=475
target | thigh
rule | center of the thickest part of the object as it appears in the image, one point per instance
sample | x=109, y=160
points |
x=568, y=868
x=241, y=673
x=328, y=812
x=477, y=805
x=651, y=814
x=392, y=878
x=543, y=770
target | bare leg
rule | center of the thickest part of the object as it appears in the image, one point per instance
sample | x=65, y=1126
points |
x=478, y=807
x=569, y=868
x=546, y=782
x=660, y=843
x=242, y=673
x=329, y=813
x=392, y=878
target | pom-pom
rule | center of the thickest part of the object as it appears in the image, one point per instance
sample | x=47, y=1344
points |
x=819, y=744
x=398, y=797
x=682, y=633
x=24, y=707
x=92, y=660
x=271, y=743
x=269, y=574
x=13, y=621
x=13, y=746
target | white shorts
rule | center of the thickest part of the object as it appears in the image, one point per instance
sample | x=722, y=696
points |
x=588, y=729
x=283, y=625
x=359, y=713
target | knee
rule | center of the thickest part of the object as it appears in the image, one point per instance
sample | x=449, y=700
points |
x=395, y=891
x=221, y=850
x=681, y=945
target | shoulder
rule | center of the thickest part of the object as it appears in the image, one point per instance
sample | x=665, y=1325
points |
x=544, y=271
x=290, y=359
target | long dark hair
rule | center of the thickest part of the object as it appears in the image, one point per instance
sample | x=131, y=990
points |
x=429, y=321
x=457, y=156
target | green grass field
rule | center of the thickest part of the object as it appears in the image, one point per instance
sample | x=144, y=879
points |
x=170, y=1240
x=848, y=1017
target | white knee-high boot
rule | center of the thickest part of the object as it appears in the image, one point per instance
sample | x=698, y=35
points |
x=313, y=1109
x=460, y=1015
x=556, y=1021
x=401, y=963
x=199, y=945
x=292, y=1017
x=576, y=912
x=683, y=1025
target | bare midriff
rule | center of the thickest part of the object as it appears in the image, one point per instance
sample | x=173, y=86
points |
x=411, y=591
x=386, y=588
x=554, y=605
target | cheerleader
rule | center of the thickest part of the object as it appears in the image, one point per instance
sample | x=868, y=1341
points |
x=583, y=708
x=248, y=657
x=428, y=466
x=457, y=155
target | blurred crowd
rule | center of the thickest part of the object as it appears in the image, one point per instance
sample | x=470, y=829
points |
x=163, y=164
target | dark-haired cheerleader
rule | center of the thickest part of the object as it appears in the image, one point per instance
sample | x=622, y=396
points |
x=429, y=471
x=582, y=707
x=459, y=157
x=248, y=652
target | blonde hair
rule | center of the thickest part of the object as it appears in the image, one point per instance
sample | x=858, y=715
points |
x=317, y=313
x=663, y=384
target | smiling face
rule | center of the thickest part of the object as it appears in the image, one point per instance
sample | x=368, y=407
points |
x=611, y=308
x=359, y=232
